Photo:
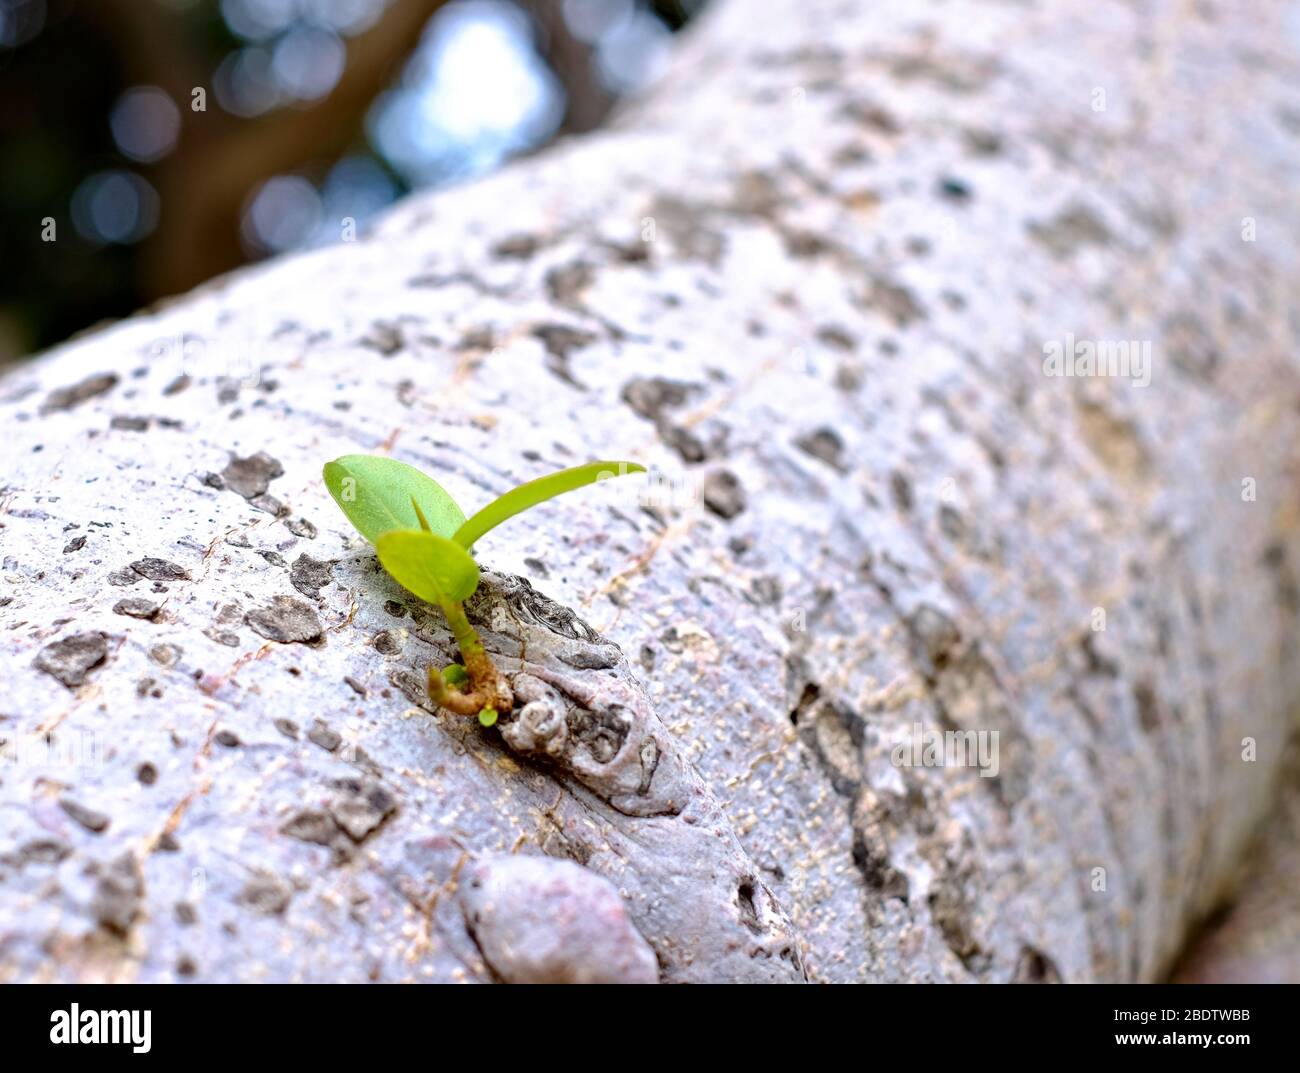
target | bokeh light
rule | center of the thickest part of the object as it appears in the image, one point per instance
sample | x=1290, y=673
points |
x=348, y=17
x=633, y=53
x=475, y=91
x=114, y=206
x=261, y=20
x=284, y=212
x=308, y=61
x=589, y=20
x=244, y=84
x=20, y=21
x=145, y=123
x=257, y=20
x=356, y=187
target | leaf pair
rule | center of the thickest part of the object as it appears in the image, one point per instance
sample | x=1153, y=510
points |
x=420, y=533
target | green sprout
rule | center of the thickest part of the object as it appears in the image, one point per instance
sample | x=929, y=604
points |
x=424, y=541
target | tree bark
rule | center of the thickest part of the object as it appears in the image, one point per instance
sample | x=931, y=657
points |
x=811, y=279
x=1256, y=937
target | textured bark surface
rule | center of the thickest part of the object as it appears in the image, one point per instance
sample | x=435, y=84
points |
x=1256, y=938
x=810, y=279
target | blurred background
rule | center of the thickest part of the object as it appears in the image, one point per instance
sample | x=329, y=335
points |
x=148, y=145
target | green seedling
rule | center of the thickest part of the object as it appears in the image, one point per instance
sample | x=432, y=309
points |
x=424, y=541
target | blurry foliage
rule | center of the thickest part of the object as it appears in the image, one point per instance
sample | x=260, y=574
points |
x=64, y=66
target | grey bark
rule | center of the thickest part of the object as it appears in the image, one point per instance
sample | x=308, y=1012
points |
x=1256, y=936
x=810, y=279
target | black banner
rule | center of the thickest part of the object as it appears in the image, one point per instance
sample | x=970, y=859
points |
x=149, y=1022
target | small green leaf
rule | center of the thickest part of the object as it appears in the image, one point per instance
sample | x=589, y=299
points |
x=378, y=495
x=487, y=716
x=538, y=491
x=455, y=674
x=431, y=566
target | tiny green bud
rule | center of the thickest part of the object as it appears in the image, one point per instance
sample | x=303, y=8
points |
x=487, y=716
x=455, y=675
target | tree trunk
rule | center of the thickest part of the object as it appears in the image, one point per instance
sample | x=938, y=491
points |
x=815, y=279
x=1256, y=939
